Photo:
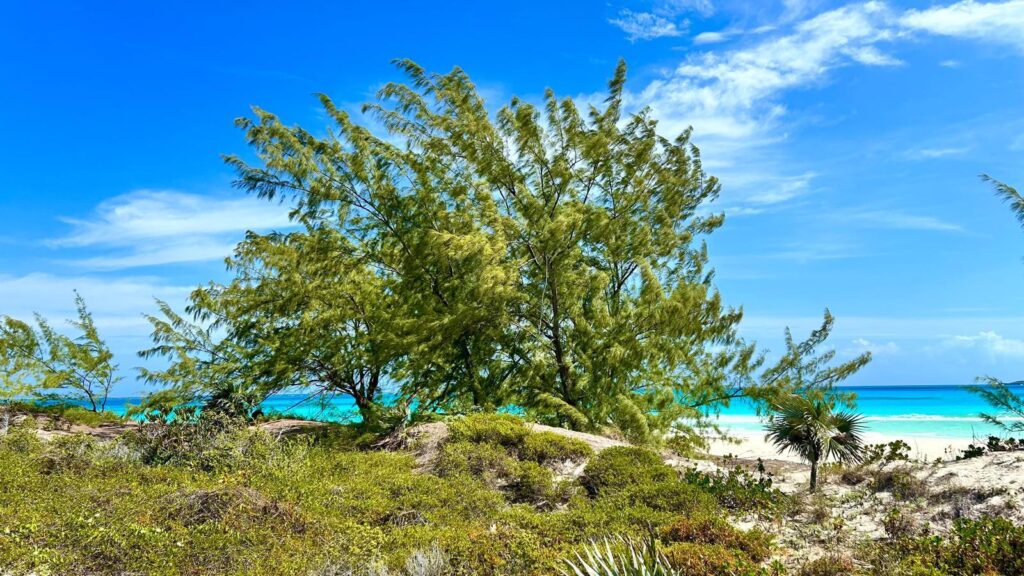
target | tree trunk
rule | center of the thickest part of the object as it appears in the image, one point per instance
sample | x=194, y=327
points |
x=814, y=475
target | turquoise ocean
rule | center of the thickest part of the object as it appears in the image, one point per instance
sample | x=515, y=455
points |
x=937, y=411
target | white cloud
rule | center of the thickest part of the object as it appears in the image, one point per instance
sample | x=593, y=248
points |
x=990, y=342
x=711, y=37
x=897, y=220
x=646, y=26
x=733, y=95
x=662, y=21
x=734, y=98
x=933, y=153
x=675, y=7
x=148, y=227
x=116, y=303
x=861, y=345
x=735, y=101
x=992, y=22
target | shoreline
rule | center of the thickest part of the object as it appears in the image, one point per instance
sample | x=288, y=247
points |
x=751, y=444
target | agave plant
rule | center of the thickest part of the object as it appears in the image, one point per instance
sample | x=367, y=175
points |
x=620, y=557
x=810, y=428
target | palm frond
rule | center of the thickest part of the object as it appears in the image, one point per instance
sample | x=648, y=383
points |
x=1010, y=195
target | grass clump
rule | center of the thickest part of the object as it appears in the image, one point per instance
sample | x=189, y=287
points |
x=900, y=482
x=831, y=565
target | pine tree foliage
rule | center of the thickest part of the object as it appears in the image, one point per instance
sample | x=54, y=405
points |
x=998, y=395
x=42, y=359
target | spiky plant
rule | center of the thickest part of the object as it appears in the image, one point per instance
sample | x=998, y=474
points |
x=811, y=428
x=620, y=557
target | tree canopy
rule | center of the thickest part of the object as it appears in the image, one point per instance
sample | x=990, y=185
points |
x=42, y=359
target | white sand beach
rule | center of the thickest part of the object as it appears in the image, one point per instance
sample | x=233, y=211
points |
x=751, y=444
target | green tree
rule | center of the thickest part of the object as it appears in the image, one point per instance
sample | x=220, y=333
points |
x=995, y=392
x=546, y=257
x=43, y=359
x=812, y=429
x=307, y=314
x=202, y=369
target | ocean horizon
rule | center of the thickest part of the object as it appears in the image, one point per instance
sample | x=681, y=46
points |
x=941, y=411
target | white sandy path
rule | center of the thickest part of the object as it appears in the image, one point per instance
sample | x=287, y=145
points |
x=753, y=445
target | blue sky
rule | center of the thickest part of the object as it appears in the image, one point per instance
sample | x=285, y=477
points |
x=848, y=138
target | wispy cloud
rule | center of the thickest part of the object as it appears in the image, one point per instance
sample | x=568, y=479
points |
x=117, y=303
x=148, y=227
x=664, y=20
x=861, y=345
x=804, y=252
x=735, y=98
x=711, y=37
x=733, y=94
x=933, y=153
x=991, y=22
x=647, y=26
x=897, y=220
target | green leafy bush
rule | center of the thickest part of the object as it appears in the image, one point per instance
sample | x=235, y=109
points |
x=741, y=490
x=487, y=461
x=620, y=467
x=489, y=428
x=888, y=453
x=533, y=483
x=548, y=447
x=670, y=496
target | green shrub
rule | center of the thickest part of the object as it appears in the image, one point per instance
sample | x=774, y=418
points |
x=549, y=447
x=207, y=441
x=533, y=483
x=885, y=454
x=827, y=566
x=671, y=496
x=982, y=546
x=706, y=529
x=487, y=461
x=897, y=524
x=620, y=467
x=62, y=413
x=742, y=491
x=692, y=559
x=489, y=428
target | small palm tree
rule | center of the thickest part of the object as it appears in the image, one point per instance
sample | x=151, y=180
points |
x=810, y=428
